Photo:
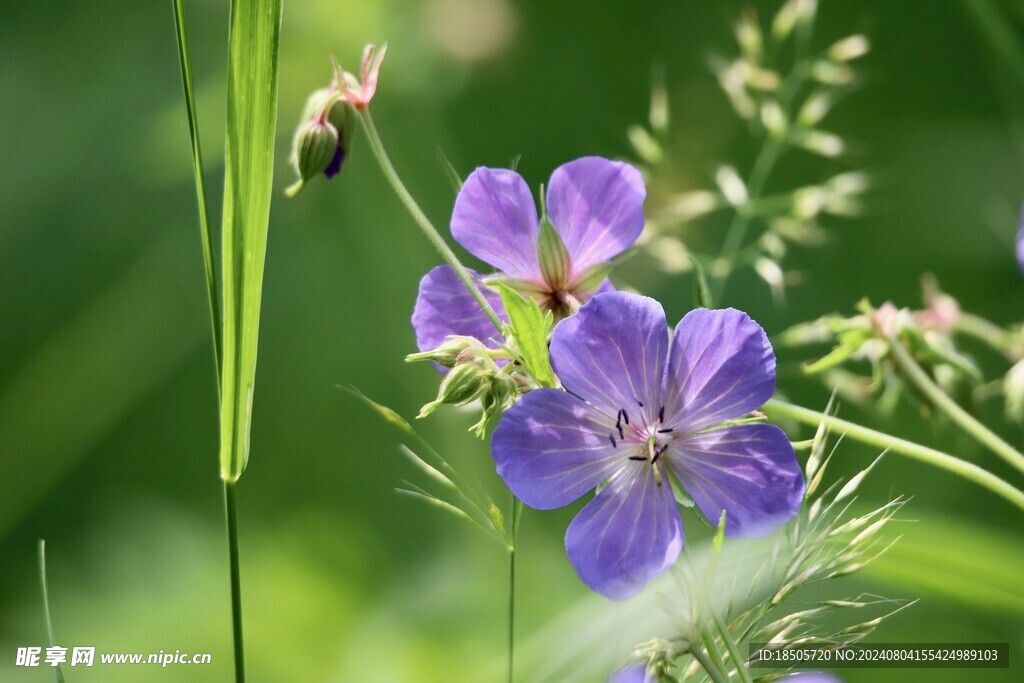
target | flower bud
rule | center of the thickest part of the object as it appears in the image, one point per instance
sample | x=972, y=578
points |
x=454, y=349
x=463, y=384
x=1013, y=389
x=315, y=146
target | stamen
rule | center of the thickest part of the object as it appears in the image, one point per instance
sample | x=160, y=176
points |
x=666, y=430
x=658, y=453
x=611, y=437
x=661, y=414
x=637, y=457
x=640, y=403
x=621, y=434
x=625, y=416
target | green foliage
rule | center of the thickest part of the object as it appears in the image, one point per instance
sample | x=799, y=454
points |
x=530, y=328
x=253, y=48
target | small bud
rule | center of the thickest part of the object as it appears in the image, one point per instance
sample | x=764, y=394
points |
x=1013, y=389
x=462, y=385
x=732, y=186
x=748, y=35
x=849, y=48
x=645, y=145
x=316, y=144
x=552, y=256
x=831, y=73
x=774, y=119
x=819, y=142
x=815, y=109
x=453, y=349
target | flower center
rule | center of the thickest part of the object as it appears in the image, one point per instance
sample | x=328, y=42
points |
x=644, y=438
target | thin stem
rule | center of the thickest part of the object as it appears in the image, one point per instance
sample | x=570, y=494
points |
x=231, y=519
x=428, y=229
x=517, y=510
x=988, y=332
x=713, y=672
x=200, y=181
x=933, y=457
x=734, y=651
x=920, y=379
x=58, y=674
x=737, y=230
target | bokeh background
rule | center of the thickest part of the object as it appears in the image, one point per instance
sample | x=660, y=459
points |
x=108, y=430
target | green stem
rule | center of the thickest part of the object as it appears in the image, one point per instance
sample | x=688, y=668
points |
x=737, y=230
x=428, y=229
x=988, y=332
x=58, y=674
x=200, y=181
x=713, y=672
x=231, y=519
x=923, y=383
x=517, y=511
x=967, y=470
x=734, y=651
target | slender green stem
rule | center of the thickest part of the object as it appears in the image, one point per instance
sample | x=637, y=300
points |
x=933, y=457
x=916, y=375
x=428, y=229
x=517, y=512
x=713, y=672
x=58, y=675
x=231, y=518
x=734, y=651
x=988, y=332
x=200, y=181
x=715, y=654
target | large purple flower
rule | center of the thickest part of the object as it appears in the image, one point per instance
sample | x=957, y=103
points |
x=595, y=207
x=642, y=408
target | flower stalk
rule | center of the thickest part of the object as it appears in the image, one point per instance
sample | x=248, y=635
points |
x=982, y=477
x=424, y=224
x=916, y=375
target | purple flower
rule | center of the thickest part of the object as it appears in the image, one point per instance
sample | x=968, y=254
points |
x=642, y=408
x=595, y=207
x=634, y=672
x=1020, y=241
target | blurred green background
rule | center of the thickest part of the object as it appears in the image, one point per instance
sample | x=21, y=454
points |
x=108, y=430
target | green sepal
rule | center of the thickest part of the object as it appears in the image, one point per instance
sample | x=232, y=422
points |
x=552, y=256
x=530, y=327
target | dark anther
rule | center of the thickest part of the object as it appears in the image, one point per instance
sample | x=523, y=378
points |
x=611, y=437
x=661, y=414
x=621, y=435
x=637, y=457
x=657, y=453
x=625, y=416
x=640, y=403
x=666, y=430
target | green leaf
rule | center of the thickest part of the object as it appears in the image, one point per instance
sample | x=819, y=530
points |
x=253, y=50
x=530, y=328
x=197, y=170
x=849, y=344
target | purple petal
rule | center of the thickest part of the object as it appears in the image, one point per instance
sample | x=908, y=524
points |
x=629, y=534
x=495, y=220
x=721, y=366
x=445, y=307
x=596, y=205
x=551, y=448
x=634, y=672
x=1020, y=242
x=750, y=471
x=612, y=352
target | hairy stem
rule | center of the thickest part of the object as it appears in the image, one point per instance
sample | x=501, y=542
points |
x=231, y=519
x=916, y=375
x=517, y=511
x=428, y=229
x=962, y=468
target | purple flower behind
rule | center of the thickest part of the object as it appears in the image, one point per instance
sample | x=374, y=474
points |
x=1020, y=241
x=594, y=205
x=640, y=409
x=634, y=672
